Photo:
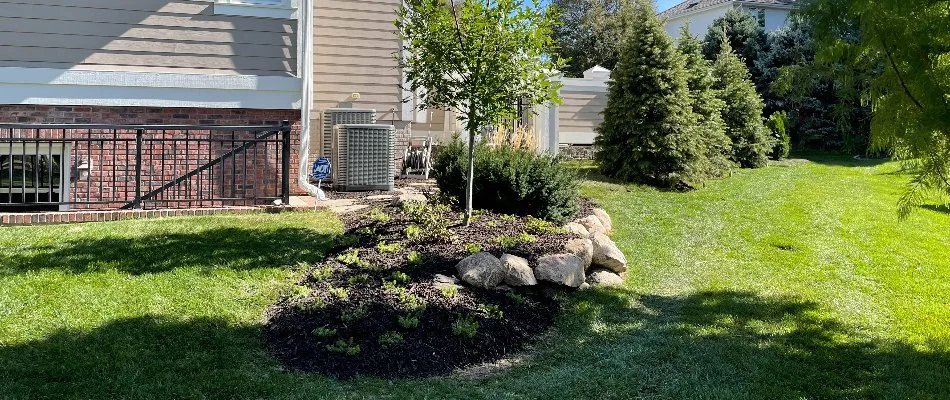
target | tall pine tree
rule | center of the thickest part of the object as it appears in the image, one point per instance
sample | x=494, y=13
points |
x=743, y=110
x=649, y=133
x=706, y=105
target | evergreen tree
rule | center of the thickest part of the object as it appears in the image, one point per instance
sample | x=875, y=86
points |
x=649, y=134
x=743, y=110
x=747, y=37
x=706, y=105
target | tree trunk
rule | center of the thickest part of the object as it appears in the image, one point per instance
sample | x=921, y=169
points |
x=470, y=184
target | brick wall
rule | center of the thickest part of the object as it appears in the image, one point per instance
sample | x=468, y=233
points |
x=113, y=174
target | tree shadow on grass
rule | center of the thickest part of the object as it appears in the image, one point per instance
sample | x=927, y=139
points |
x=840, y=160
x=742, y=345
x=937, y=208
x=234, y=248
x=612, y=344
x=145, y=357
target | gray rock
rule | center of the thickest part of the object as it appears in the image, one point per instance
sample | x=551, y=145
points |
x=439, y=278
x=583, y=248
x=593, y=224
x=577, y=229
x=481, y=270
x=565, y=269
x=603, y=277
x=604, y=218
x=517, y=271
x=607, y=254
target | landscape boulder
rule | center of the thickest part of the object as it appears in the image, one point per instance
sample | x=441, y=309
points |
x=583, y=248
x=604, y=218
x=604, y=277
x=564, y=269
x=481, y=270
x=607, y=254
x=593, y=224
x=576, y=229
x=517, y=271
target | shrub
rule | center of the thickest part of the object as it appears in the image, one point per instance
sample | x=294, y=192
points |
x=384, y=247
x=340, y=293
x=408, y=321
x=355, y=314
x=379, y=216
x=781, y=141
x=465, y=327
x=742, y=112
x=348, y=347
x=300, y=292
x=509, y=181
x=649, y=132
x=400, y=277
x=509, y=241
x=414, y=258
x=324, y=332
x=320, y=274
x=449, y=292
x=473, y=248
x=390, y=339
x=358, y=279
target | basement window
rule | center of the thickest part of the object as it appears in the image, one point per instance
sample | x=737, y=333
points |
x=34, y=174
x=284, y=9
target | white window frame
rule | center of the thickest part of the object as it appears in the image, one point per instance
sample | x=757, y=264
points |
x=285, y=9
x=64, y=150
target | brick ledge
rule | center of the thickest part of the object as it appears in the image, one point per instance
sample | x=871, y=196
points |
x=52, y=218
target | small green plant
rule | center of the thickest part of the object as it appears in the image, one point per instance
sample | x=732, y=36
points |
x=492, y=310
x=414, y=258
x=539, y=226
x=367, y=231
x=384, y=247
x=408, y=321
x=400, y=277
x=413, y=232
x=302, y=266
x=314, y=304
x=508, y=218
x=473, y=248
x=320, y=274
x=348, y=347
x=515, y=240
x=358, y=279
x=391, y=286
x=516, y=298
x=450, y=292
x=339, y=293
x=300, y=292
x=390, y=339
x=355, y=314
x=379, y=216
x=324, y=332
x=411, y=303
x=465, y=327
x=492, y=224
x=350, y=257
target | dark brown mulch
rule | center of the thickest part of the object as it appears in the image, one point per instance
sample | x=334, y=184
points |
x=430, y=349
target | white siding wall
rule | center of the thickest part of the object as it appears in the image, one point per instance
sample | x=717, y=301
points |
x=775, y=19
x=698, y=22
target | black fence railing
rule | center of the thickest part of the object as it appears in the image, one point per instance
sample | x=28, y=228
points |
x=81, y=167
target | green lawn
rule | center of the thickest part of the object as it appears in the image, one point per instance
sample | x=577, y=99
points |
x=786, y=282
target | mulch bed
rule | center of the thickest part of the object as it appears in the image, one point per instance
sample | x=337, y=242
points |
x=508, y=320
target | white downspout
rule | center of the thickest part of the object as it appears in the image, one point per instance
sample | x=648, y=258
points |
x=305, y=43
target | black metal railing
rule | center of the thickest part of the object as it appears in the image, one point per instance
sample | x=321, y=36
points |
x=80, y=167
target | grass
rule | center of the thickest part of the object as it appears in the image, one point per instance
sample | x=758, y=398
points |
x=789, y=282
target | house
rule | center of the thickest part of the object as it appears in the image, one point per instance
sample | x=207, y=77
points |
x=700, y=14
x=185, y=62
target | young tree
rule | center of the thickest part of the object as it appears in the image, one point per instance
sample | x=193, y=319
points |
x=910, y=95
x=649, y=132
x=743, y=110
x=478, y=58
x=746, y=36
x=706, y=105
x=590, y=33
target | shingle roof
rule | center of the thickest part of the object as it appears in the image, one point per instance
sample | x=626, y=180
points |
x=690, y=5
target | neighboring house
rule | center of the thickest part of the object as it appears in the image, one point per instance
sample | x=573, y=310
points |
x=190, y=62
x=700, y=14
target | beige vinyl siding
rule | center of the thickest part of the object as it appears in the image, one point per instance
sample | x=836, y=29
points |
x=354, y=43
x=144, y=35
x=579, y=115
